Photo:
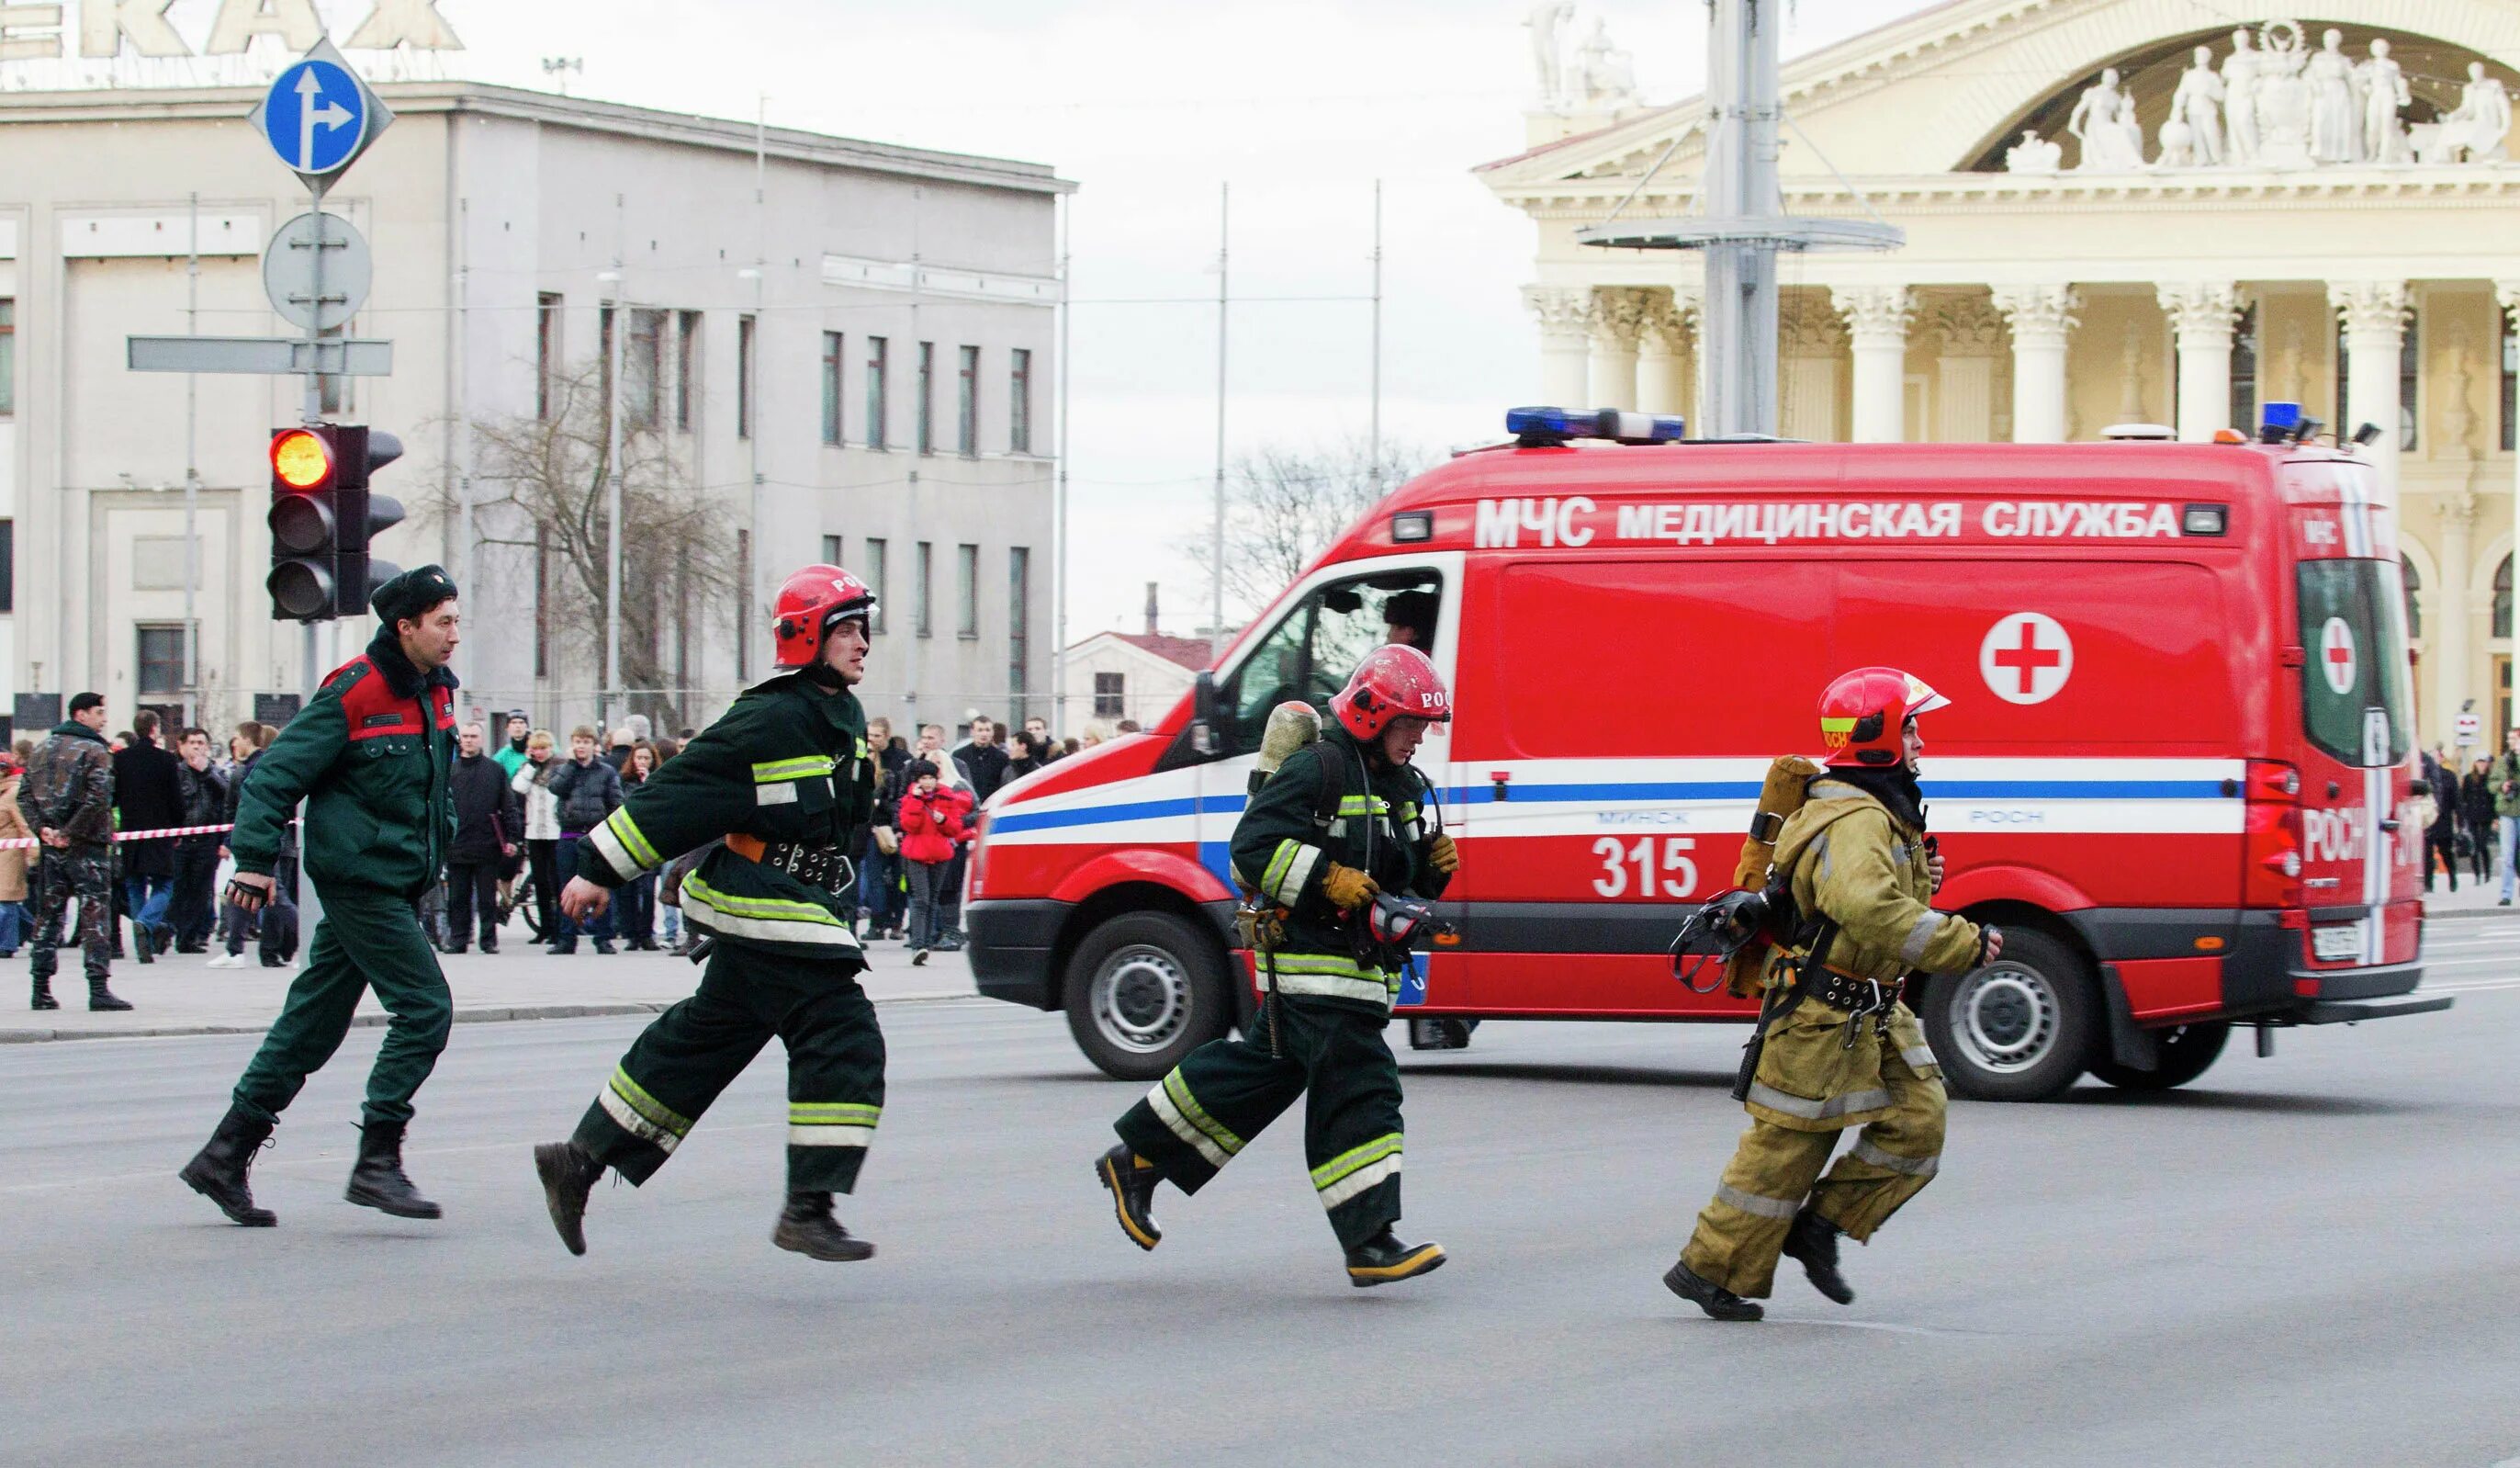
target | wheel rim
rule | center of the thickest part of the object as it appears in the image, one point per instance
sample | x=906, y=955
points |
x=1141, y=999
x=2005, y=1017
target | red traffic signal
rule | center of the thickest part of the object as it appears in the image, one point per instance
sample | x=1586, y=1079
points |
x=323, y=517
x=301, y=459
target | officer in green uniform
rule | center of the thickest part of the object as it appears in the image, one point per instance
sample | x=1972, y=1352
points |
x=1842, y=1050
x=1340, y=821
x=784, y=779
x=369, y=758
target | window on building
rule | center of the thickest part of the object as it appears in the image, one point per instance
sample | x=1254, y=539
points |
x=542, y=601
x=744, y=329
x=1019, y=403
x=2510, y=385
x=2502, y=599
x=1111, y=695
x=8, y=566
x=927, y=407
x=162, y=660
x=744, y=604
x=919, y=575
x=831, y=550
x=966, y=591
x=871, y=572
x=2244, y=370
x=877, y=421
x=643, y=368
x=832, y=344
x=967, y=407
x=2412, y=583
x=1019, y=627
x=2411, y=362
x=687, y=362
x=604, y=359
x=546, y=320
x=9, y=359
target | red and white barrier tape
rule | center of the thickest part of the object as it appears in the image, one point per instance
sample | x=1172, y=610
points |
x=31, y=841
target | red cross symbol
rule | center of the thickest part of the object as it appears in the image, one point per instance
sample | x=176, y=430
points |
x=2027, y=659
x=2336, y=648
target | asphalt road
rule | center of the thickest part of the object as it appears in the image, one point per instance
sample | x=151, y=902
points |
x=2306, y=1260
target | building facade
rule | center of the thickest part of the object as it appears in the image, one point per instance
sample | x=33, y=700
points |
x=1115, y=676
x=2116, y=210
x=826, y=349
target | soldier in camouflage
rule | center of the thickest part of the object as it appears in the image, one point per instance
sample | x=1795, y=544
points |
x=68, y=797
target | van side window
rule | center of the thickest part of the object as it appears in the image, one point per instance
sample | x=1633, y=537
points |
x=1319, y=642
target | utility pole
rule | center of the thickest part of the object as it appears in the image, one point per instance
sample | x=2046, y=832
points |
x=612, y=482
x=193, y=467
x=1739, y=218
x=1058, y=493
x=1216, y=533
x=1374, y=420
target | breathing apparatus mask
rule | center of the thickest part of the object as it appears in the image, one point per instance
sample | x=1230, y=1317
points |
x=1727, y=924
x=1399, y=922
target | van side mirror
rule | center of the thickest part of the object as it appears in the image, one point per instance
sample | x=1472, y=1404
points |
x=1203, y=713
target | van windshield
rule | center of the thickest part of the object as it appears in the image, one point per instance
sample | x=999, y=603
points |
x=2353, y=678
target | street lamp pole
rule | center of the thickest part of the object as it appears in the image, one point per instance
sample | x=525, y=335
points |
x=612, y=486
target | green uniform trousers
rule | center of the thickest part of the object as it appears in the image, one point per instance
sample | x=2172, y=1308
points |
x=368, y=938
x=1777, y=1168
x=1228, y=1092
x=696, y=1049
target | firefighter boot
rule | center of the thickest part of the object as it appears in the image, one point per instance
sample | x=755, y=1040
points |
x=568, y=1173
x=101, y=997
x=806, y=1226
x=378, y=1182
x=1384, y=1260
x=1812, y=1243
x=1710, y=1296
x=1132, y=1181
x=218, y=1170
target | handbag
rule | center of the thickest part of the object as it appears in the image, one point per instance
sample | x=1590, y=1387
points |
x=888, y=841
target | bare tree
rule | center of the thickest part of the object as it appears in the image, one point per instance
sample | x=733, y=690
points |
x=1283, y=506
x=678, y=547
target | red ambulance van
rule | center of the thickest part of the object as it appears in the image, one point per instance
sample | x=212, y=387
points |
x=2177, y=767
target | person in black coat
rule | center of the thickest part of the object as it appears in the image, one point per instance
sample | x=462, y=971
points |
x=2440, y=838
x=203, y=794
x=2476, y=812
x=489, y=828
x=147, y=797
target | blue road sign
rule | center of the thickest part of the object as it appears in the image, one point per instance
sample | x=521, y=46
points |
x=316, y=117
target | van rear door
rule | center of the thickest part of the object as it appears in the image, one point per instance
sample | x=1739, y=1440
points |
x=2357, y=735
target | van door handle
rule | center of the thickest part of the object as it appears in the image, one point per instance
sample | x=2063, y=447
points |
x=2390, y=825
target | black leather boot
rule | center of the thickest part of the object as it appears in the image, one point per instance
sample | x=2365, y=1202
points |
x=101, y=997
x=1132, y=1184
x=1710, y=1296
x=43, y=998
x=217, y=1171
x=1812, y=1243
x=568, y=1173
x=1384, y=1260
x=378, y=1182
x=806, y=1226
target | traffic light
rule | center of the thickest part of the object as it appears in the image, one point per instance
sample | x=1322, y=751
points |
x=322, y=517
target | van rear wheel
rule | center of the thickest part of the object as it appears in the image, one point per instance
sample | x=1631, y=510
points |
x=1142, y=990
x=2019, y=1028
x=2185, y=1053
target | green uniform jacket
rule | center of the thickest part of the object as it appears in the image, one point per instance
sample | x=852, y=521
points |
x=369, y=758
x=2505, y=766
x=1282, y=849
x=787, y=763
x=1851, y=860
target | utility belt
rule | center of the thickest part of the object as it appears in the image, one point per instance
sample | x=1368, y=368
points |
x=1839, y=989
x=826, y=867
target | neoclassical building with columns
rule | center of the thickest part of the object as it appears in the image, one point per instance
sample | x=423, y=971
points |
x=2116, y=210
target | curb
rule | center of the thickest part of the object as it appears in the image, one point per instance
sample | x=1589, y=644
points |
x=493, y=1014
x=2455, y=914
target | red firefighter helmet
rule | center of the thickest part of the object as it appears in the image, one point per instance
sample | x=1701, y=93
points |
x=809, y=602
x=1392, y=682
x=1863, y=714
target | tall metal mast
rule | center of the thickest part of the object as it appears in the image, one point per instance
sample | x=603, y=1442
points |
x=1740, y=220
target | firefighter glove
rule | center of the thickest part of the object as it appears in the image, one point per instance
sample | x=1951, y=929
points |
x=1347, y=889
x=1443, y=855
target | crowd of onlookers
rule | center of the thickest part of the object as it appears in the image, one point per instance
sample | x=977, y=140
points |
x=2472, y=818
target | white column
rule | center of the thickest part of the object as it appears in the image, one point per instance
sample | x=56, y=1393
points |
x=2201, y=316
x=1565, y=316
x=1618, y=324
x=2447, y=634
x=1876, y=321
x=2374, y=312
x=1661, y=364
x=2041, y=318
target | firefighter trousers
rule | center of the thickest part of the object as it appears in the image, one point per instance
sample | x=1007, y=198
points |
x=697, y=1048
x=369, y=939
x=1776, y=1169
x=1228, y=1092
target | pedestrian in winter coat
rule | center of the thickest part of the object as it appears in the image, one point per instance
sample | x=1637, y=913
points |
x=145, y=798
x=588, y=790
x=2476, y=814
x=931, y=832
x=203, y=793
x=489, y=822
x=532, y=785
x=637, y=899
x=68, y=797
x=2503, y=779
x=14, y=860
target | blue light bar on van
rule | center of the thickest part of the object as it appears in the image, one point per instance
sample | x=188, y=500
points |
x=1542, y=427
x=2278, y=420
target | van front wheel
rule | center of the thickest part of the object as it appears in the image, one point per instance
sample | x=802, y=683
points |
x=1142, y=990
x=2019, y=1028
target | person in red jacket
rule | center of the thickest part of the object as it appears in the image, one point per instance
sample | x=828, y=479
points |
x=931, y=828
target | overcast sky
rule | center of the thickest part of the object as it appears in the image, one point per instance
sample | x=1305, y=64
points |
x=1299, y=105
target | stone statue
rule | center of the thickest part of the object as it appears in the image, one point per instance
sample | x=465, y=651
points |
x=2034, y=154
x=2103, y=122
x=2483, y=118
x=2198, y=104
x=1543, y=23
x=2240, y=92
x=2281, y=98
x=2335, y=112
x=1603, y=73
x=2384, y=91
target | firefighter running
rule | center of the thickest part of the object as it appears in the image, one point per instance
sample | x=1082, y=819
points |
x=1840, y=1050
x=784, y=779
x=1341, y=820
